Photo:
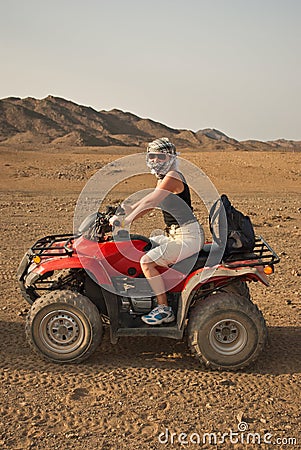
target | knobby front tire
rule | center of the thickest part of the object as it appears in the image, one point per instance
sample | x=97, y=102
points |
x=64, y=327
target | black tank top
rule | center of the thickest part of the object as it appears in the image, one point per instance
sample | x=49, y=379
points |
x=175, y=212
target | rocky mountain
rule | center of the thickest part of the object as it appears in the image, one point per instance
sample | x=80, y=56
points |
x=59, y=122
x=216, y=135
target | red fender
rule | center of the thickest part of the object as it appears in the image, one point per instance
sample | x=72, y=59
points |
x=72, y=262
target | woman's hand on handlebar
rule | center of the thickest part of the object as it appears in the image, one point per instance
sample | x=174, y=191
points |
x=126, y=208
x=116, y=220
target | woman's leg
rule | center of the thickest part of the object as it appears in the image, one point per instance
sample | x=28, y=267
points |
x=161, y=313
x=153, y=276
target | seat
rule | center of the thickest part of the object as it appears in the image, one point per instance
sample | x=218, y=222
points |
x=193, y=262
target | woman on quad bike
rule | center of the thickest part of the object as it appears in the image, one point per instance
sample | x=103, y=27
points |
x=184, y=236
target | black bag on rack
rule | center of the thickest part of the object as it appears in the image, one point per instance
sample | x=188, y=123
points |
x=240, y=232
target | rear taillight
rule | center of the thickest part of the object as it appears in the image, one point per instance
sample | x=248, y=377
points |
x=268, y=270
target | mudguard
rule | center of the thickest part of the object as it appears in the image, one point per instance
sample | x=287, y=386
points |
x=199, y=278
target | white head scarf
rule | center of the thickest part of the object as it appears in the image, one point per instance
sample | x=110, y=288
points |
x=160, y=168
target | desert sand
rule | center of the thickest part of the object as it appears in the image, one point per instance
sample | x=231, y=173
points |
x=135, y=394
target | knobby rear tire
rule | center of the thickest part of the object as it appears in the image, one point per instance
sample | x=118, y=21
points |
x=226, y=331
x=238, y=287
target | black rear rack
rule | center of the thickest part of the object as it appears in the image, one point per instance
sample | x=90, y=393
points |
x=55, y=245
x=262, y=255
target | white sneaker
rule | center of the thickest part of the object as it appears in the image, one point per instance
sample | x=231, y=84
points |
x=160, y=314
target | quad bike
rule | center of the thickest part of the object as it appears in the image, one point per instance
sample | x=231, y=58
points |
x=77, y=285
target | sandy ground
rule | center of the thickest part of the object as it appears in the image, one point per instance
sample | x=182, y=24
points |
x=126, y=395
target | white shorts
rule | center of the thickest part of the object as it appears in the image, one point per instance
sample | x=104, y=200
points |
x=179, y=243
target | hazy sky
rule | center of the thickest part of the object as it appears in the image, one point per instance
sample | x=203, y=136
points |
x=234, y=65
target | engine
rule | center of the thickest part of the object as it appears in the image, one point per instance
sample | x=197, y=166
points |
x=136, y=296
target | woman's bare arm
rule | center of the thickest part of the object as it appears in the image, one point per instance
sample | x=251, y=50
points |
x=170, y=184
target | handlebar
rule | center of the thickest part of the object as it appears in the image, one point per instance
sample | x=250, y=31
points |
x=116, y=223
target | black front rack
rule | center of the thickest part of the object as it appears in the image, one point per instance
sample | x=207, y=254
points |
x=55, y=245
x=262, y=255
